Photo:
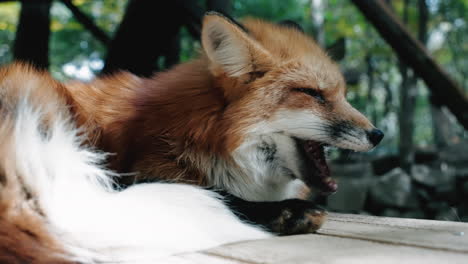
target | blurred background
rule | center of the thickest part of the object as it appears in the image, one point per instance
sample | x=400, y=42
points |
x=420, y=170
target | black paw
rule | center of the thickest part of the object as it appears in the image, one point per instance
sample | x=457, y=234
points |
x=297, y=217
x=285, y=217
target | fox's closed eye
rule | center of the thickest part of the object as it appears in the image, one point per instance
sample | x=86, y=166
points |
x=311, y=92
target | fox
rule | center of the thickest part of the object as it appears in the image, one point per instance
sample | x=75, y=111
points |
x=223, y=148
x=250, y=115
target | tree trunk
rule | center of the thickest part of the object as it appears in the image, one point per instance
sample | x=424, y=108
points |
x=32, y=35
x=148, y=33
x=408, y=94
x=441, y=126
x=145, y=34
x=415, y=55
x=317, y=11
x=371, y=85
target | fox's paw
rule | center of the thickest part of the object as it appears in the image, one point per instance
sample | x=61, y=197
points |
x=287, y=217
x=298, y=217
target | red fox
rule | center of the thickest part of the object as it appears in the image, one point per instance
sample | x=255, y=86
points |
x=250, y=115
x=249, y=118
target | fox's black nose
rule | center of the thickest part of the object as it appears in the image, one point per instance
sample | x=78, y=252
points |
x=375, y=136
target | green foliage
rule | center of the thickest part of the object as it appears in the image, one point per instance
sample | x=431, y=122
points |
x=273, y=10
x=8, y=20
x=71, y=44
x=451, y=18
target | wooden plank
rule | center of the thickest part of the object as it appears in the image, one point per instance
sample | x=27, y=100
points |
x=353, y=239
x=442, y=235
x=331, y=249
x=201, y=258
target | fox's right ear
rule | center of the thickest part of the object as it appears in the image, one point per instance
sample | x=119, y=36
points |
x=230, y=47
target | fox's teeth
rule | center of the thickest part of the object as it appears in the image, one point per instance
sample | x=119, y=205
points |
x=320, y=176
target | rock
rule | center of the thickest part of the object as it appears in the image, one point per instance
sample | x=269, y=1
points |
x=437, y=206
x=415, y=214
x=445, y=189
x=448, y=214
x=442, y=177
x=351, y=170
x=391, y=212
x=456, y=153
x=413, y=201
x=465, y=188
x=422, y=174
x=392, y=189
x=353, y=180
x=461, y=170
x=462, y=210
x=447, y=193
x=426, y=155
x=385, y=164
x=423, y=194
x=365, y=213
x=350, y=196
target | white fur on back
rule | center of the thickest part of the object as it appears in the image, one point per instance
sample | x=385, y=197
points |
x=98, y=224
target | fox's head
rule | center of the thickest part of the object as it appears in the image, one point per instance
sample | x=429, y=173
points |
x=288, y=96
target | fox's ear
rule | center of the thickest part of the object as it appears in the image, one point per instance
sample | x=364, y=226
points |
x=229, y=46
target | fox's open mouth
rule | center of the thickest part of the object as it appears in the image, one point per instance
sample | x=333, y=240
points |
x=317, y=172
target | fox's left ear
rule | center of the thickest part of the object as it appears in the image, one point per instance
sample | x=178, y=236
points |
x=230, y=47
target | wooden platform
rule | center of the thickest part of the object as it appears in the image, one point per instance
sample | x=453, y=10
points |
x=351, y=239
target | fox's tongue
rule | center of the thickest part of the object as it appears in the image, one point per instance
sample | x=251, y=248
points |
x=317, y=163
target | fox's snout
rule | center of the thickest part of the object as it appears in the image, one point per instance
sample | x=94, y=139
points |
x=350, y=136
x=354, y=130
